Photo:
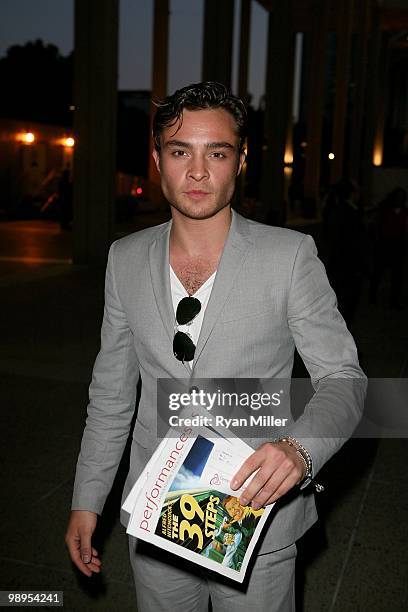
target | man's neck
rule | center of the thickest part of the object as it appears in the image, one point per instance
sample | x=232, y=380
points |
x=195, y=237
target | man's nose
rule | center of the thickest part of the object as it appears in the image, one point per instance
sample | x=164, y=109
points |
x=198, y=169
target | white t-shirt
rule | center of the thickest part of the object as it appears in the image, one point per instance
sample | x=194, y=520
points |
x=178, y=292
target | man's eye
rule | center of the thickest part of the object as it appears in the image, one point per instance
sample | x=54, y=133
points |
x=218, y=155
x=179, y=153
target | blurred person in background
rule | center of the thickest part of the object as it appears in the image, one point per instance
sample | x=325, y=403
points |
x=347, y=244
x=65, y=199
x=389, y=238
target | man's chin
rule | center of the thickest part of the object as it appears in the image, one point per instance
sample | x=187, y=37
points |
x=197, y=213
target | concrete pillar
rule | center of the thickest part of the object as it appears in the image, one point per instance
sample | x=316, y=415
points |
x=244, y=50
x=159, y=84
x=317, y=39
x=278, y=104
x=243, y=84
x=217, y=41
x=382, y=102
x=360, y=91
x=372, y=130
x=95, y=92
x=344, y=28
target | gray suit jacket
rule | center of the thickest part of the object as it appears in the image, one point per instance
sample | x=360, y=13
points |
x=270, y=294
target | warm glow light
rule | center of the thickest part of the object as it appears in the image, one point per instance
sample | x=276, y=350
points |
x=287, y=170
x=139, y=190
x=377, y=155
x=69, y=142
x=331, y=156
x=288, y=158
x=303, y=144
x=28, y=137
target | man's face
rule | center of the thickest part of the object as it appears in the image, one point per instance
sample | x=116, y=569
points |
x=199, y=162
x=234, y=508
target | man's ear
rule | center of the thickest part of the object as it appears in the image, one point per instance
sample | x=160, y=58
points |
x=242, y=158
x=156, y=157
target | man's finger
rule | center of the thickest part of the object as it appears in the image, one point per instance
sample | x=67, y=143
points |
x=78, y=553
x=286, y=485
x=78, y=540
x=93, y=566
x=255, y=486
x=273, y=486
x=86, y=554
x=249, y=466
x=74, y=553
x=85, y=545
x=95, y=559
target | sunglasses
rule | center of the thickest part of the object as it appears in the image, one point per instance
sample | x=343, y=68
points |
x=183, y=346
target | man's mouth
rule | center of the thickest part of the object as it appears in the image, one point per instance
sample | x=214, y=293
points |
x=197, y=193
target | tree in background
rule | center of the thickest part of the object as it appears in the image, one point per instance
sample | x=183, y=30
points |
x=37, y=83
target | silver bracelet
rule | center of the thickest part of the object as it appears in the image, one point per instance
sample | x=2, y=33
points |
x=307, y=460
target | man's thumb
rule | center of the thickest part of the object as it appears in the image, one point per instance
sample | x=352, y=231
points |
x=86, y=552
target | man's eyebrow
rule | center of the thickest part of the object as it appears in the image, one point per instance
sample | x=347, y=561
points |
x=209, y=145
x=177, y=143
x=220, y=145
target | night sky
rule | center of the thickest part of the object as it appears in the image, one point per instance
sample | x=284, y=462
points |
x=52, y=20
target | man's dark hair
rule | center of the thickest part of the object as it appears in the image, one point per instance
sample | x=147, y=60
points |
x=198, y=96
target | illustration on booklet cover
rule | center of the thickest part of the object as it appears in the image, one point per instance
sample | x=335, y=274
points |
x=206, y=521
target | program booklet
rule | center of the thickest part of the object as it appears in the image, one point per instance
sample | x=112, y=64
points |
x=182, y=502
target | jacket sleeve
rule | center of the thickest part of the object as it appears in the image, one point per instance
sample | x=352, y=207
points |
x=112, y=397
x=330, y=356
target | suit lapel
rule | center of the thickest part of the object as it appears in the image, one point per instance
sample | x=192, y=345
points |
x=160, y=275
x=233, y=256
x=159, y=271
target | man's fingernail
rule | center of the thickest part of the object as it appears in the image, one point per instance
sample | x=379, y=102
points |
x=86, y=559
x=243, y=501
x=234, y=484
x=255, y=506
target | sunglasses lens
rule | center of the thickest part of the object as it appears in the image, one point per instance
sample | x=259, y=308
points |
x=187, y=309
x=183, y=347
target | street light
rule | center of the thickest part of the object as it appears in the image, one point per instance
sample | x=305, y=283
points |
x=28, y=137
x=378, y=155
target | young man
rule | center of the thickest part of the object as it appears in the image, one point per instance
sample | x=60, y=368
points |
x=262, y=291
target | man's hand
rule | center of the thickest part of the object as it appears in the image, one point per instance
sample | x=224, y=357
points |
x=78, y=539
x=278, y=468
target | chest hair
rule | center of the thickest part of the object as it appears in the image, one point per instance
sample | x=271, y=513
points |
x=193, y=273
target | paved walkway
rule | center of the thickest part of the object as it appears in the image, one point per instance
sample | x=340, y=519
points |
x=355, y=559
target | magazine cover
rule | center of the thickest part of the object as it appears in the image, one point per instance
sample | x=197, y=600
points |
x=185, y=504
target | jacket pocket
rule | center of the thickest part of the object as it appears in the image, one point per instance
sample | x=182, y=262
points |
x=142, y=435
